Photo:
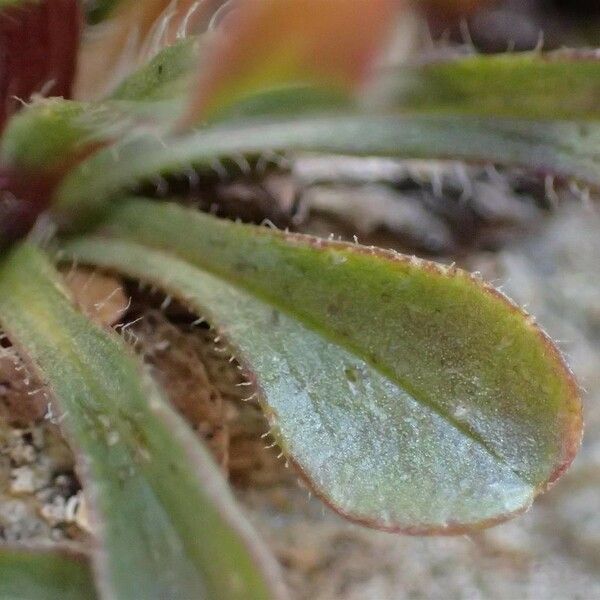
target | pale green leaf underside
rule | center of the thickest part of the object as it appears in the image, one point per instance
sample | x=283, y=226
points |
x=413, y=399
x=563, y=148
x=168, y=524
x=42, y=575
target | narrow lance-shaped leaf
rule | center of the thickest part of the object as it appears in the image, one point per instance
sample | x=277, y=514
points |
x=166, y=522
x=28, y=574
x=413, y=397
x=52, y=133
x=564, y=148
x=45, y=141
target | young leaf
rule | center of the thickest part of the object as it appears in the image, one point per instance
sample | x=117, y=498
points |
x=276, y=43
x=134, y=33
x=165, y=77
x=563, y=148
x=44, y=575
x=49, y=134
x=413, y=397
x=166, y=522
x=38, y=47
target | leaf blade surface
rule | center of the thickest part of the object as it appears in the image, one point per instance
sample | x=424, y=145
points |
x=44, y=575
x=413, y=398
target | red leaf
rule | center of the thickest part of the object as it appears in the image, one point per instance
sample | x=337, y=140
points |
x=277, y=42
x=38, y=49
x=23, y=196
x=25, y=192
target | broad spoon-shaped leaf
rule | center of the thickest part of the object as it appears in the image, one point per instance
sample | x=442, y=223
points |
x=413, y=397
x=167, y=524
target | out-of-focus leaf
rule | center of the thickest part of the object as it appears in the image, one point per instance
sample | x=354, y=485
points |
x=165, y=77
x=557, y=85
x=44, y=575
x=98, y=10
x=413, y=397
x=38, y=47
x=46, y=136
x=166, y=521
x=564, y=148
x=276, y=43
x=135, y=32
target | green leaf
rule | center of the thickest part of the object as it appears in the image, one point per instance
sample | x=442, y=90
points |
x=165, y=77
x=133, y=32
x=413, y=397
x=41, y=144
x=99, y=10
x=38, y=146
x=48, y=134
x=44, y=575
x=564, y=148
x=167, y=524
x=556, y=85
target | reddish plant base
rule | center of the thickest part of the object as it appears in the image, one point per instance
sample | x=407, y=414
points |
x=38, y=50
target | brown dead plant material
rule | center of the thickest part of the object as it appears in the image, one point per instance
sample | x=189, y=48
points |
x=20, y=405
x=202, y=382
x=99, y=296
